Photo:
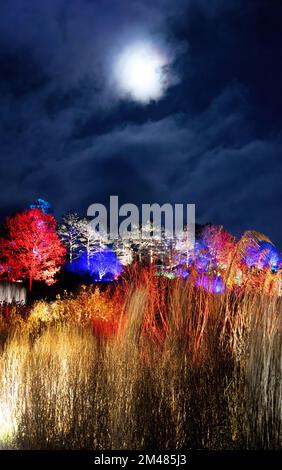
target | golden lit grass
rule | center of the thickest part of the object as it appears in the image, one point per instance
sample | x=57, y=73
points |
x=169, y=367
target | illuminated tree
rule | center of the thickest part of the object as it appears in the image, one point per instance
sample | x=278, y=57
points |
x=149, y=244
x=126, y=247
x=70, y=233
x=105, y=263
x=32, y=248
x=124, y=251
x=184, y=247
x=220, y=243
x=43, y=205
x=102, y=265
x=92, y=240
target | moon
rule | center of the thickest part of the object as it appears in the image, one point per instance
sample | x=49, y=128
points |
x=140, y=72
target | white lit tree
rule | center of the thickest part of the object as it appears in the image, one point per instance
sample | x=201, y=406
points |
x=70, y=233
x=93, y=241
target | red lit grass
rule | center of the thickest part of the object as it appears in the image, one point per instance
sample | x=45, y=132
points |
x=146, y=363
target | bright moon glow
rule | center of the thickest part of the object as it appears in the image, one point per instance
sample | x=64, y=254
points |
x=139, y=72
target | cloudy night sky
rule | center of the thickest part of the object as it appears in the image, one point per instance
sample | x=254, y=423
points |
x=199, y=123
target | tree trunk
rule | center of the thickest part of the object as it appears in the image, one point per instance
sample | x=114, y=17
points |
x=30, y=283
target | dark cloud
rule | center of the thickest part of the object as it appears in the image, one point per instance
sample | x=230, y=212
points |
x=213, y=139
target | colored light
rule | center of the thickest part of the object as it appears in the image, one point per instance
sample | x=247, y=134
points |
x=102, y=266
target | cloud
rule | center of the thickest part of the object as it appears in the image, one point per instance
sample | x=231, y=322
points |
x=66, y=136
x=179, y=158
x=75, y=44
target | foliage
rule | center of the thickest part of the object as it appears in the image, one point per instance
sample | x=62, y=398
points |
x=43, y=205
x=102, y=265
x=153, y=363
x=32, y=248
x=220, y=244
x=70, y=234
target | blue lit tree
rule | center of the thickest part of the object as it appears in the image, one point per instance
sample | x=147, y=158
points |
x=104, y=265
x=92, y=241
x=43, y=205
x=101, y=266
x=263, y=256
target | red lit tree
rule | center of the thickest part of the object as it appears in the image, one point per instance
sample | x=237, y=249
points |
x=221, y=244
x=32, y=249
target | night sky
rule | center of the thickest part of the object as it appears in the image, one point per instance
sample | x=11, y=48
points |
x=70, y=134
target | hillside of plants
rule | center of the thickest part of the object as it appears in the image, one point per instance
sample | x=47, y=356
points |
x=180, y=349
